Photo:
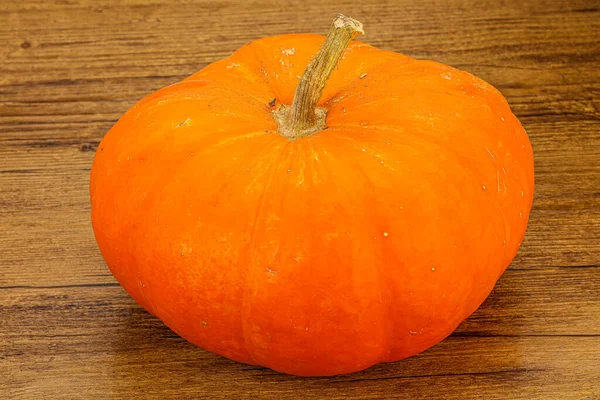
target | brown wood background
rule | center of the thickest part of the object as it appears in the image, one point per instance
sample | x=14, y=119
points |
x=70, y=68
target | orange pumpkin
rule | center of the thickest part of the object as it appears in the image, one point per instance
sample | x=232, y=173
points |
x=356, y=220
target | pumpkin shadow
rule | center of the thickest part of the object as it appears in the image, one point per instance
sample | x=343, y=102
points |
x=149, y=360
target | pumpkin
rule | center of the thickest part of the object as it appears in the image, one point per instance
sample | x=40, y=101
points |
x=314, y=205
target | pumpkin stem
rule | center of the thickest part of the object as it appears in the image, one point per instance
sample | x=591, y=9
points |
x=304, y=118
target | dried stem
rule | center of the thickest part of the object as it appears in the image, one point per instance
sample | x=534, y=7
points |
x=303, y=118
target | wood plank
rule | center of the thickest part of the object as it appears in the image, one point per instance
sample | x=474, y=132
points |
x=91, y=326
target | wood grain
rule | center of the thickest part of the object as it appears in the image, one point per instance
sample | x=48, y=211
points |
x=70, y=68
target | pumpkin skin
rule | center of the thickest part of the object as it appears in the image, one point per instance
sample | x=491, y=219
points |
x=367, y=242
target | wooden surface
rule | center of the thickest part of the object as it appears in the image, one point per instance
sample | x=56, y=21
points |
x=70, y=68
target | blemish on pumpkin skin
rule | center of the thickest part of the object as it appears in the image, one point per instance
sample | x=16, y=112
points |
x=264, y=70
x=204, y=324
x=288, y=52
x=271, y=271
x=483, y=187
x=432, y=269
x=233, y=65
x=185, y=122
x=498, y=181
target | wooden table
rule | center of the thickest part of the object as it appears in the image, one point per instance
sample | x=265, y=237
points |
x=70, y=68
